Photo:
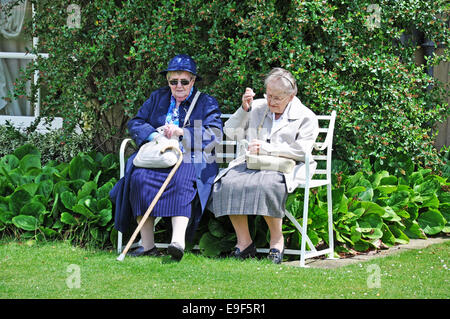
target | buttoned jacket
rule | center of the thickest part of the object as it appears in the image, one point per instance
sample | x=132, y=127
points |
x=293, y=137
x=202, y=132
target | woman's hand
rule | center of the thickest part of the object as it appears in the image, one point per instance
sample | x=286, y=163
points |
x=254, y=147
x=247, y=99
x=172, y=130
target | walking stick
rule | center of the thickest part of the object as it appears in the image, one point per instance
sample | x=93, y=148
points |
x=153, y=203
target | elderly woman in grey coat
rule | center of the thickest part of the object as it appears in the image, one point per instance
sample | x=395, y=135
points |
x=278, y=125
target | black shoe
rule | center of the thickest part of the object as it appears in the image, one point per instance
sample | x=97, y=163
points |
x=248, y=252
x=141, y=252
x=275, y=255
x=176, y=251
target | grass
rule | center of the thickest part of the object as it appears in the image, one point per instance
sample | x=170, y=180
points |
x=43, y=270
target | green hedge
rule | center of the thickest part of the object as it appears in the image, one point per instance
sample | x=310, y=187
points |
x=57, y=200
x=99, y=74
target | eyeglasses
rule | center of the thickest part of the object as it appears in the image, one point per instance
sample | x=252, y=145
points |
x=183, y=82
x=275, y=99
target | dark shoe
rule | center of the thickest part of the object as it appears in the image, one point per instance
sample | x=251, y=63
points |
x=141, y=252
x=275, y=255
x=176, y=251
x=248, y=252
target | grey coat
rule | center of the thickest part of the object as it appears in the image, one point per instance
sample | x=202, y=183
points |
x=293, y=138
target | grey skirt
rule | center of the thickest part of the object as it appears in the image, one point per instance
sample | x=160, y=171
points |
x=243, y=191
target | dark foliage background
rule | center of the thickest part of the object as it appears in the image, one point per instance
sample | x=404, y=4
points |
x=100, y=73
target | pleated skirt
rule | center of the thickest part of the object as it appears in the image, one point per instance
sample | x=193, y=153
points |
x=243, y=191
x=175, y=200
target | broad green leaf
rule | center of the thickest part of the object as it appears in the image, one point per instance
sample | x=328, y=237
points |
x=387, y=189
x=362, y=245
x=103, y=191
x=104, y=203
x=415, y=178
x=83, y=210
x=371, y=207
x=216, y=228
x=377, y=178
x=26, y=149
x=26, y=222
x=432, y=222
x=367, y=194
x=413, y=230
x=94, y=233
x=399, y=235
x=429, y=187
x=355, y=234
x=67, y=218
x=6, y=216
x=29, y=162
x=388, y=180
x=9, y=162
x=18, y=199
x=353, y=181
x=109, y=162
x=390, y=215
x=45, y=188
x=388, y=238
x=89, y=202
x=105, y=217
x=87, y=189
x=68, y=199
x=30, y=188
x=431, y=201
x=32, y=208
x=209, y=245
x=376, y=233
x=369, y=222
x=398, y=200
x=355, y=191
x=78, y=169
x=61, y=187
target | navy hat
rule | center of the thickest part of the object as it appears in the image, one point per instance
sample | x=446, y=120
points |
x=182, y=62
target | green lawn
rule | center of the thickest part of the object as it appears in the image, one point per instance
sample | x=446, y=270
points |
x=30, y=270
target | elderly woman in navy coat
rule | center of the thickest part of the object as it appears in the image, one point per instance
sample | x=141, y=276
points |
x=187, y=193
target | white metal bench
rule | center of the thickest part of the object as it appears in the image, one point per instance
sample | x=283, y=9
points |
x=226, y=152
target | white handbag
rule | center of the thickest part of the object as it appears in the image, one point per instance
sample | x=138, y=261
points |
x=150, y=154
x=269, y=162
x=266, y=161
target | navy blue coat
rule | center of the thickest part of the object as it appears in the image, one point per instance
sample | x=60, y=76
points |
x=203, y=131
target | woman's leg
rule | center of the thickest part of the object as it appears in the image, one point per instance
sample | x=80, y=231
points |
x=179, y=225
x=240, y=225
x=276, y=235
x=147, y=232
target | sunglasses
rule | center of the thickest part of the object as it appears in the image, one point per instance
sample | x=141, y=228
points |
x=183, y=82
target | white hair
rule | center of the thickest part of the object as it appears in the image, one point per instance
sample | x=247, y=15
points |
x=284, y=78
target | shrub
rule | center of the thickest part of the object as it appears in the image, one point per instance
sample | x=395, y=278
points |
x=68, y=200
x=55, y=145
x=383, y=206
x=98, y=75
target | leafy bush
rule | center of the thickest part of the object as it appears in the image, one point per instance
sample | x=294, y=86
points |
x=383, y=206
x=97, y=75
x=55, y=145
x=58, y=200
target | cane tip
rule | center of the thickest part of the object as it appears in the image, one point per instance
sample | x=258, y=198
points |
x=121, y=257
